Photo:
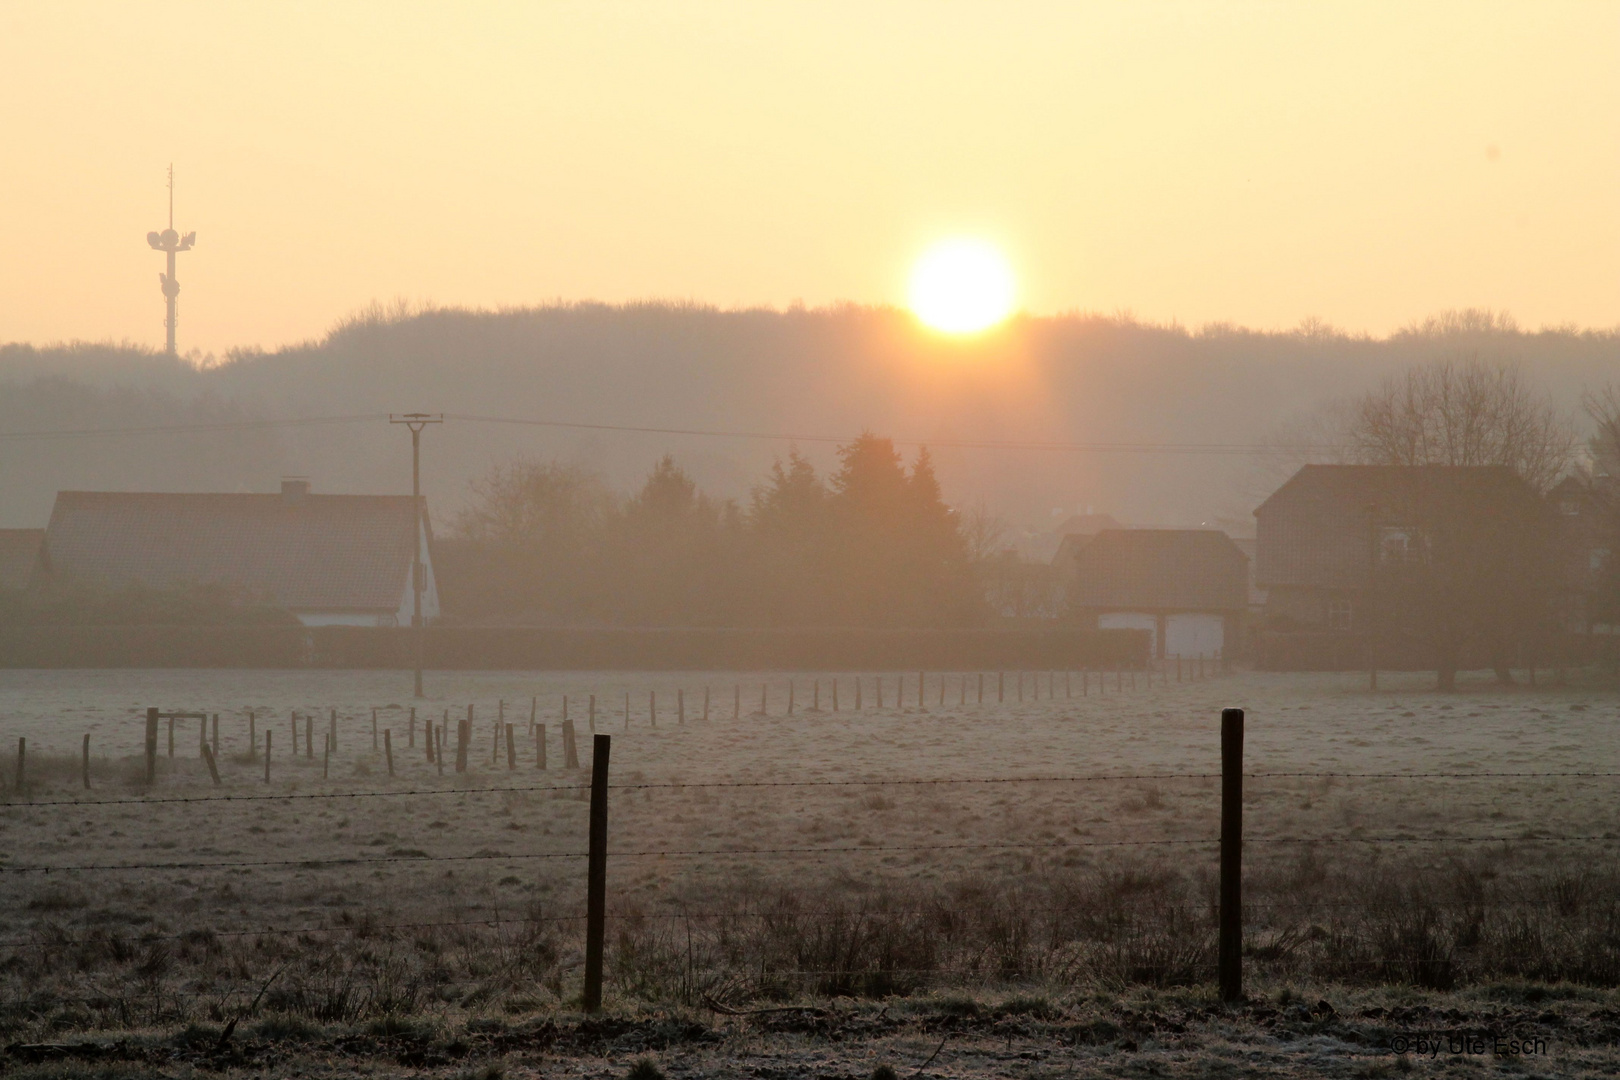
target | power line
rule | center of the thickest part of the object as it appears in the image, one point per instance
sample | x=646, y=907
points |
x=964, y=444
x=189, y=429
x=1230, y=449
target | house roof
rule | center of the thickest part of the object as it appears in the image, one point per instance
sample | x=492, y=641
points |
x=19, y=549
x=1162, y=569
x=1314, y=530
x=1078, y=531
x=310, y=552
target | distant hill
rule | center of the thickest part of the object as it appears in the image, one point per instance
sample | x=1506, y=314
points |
x=812, y=372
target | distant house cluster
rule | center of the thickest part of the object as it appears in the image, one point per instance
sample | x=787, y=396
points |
x=1337, y=544
x=331, y=560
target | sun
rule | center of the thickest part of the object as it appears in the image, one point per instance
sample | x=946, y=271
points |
x=961, y=287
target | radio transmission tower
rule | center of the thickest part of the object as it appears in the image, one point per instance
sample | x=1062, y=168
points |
x=170, y=242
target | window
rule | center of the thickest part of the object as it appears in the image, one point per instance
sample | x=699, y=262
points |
x=1338, y=613
x=1399, y=544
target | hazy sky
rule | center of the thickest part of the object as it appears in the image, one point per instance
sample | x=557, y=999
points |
x=1257, y=163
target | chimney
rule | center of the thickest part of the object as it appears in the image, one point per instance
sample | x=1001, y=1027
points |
x=294, y=488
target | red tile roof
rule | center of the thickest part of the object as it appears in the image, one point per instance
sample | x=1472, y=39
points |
x=1161, y=569
x=1314, y=531
x=314, y=552
x=19, y=548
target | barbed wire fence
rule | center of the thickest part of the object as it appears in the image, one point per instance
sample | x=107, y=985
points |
x=1227, y=914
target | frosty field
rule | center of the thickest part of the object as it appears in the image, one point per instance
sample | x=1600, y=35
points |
x=1022, y=873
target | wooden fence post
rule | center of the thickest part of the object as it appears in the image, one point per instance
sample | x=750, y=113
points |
x=705, y=702
x=570, y=746
x=87, y=761
x=171, y=735
x=216, y=735
x=151, y=745
x=333, y=743
x=388, y=748
x=540, y=746
x=534, y=711
x=511, y=749
x=596, y=874
x=680, y=706
x=463, y=733
x=374, y=729
x=438, y=752
x=790, y=697
x=309, y=737
x=652, y=707
x=410, y=733
x=208, y=759
x=268, y=734
x=590, y=713
x=1231, y=906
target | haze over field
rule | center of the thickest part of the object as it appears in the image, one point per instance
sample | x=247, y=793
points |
x=810, y=373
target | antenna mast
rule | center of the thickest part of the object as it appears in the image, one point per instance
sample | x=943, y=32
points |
x=171, y=243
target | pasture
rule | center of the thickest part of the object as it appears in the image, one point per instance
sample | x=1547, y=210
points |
x=1058, y=845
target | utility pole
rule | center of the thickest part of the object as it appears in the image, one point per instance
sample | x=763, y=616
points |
x=170, y=242
x=416, y=422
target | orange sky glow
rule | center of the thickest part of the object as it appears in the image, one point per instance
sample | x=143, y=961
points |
x=1368, y=164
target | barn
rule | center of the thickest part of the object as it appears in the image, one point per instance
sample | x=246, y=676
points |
x=331, y=560
x=1188, y=587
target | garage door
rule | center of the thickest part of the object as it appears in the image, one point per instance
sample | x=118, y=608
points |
x=1194, y=635
x=1132, y=620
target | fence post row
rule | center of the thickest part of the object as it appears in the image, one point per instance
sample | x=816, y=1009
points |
x=151, y=745
x=208, y=759
x=1231, y=906
x=596, y=874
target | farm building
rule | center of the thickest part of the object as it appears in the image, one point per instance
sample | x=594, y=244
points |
x=19, y=551
x=1584, y=507
x=1331, y=533
x=332, y=560
x=1188, y=587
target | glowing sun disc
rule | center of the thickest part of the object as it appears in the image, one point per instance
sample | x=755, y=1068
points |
x=961, y=286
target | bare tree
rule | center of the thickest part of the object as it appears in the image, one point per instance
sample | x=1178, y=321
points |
x=1462, y=410
x=1603, y=407
x=984, y=533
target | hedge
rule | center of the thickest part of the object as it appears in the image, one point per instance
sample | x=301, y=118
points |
x=560, y=649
